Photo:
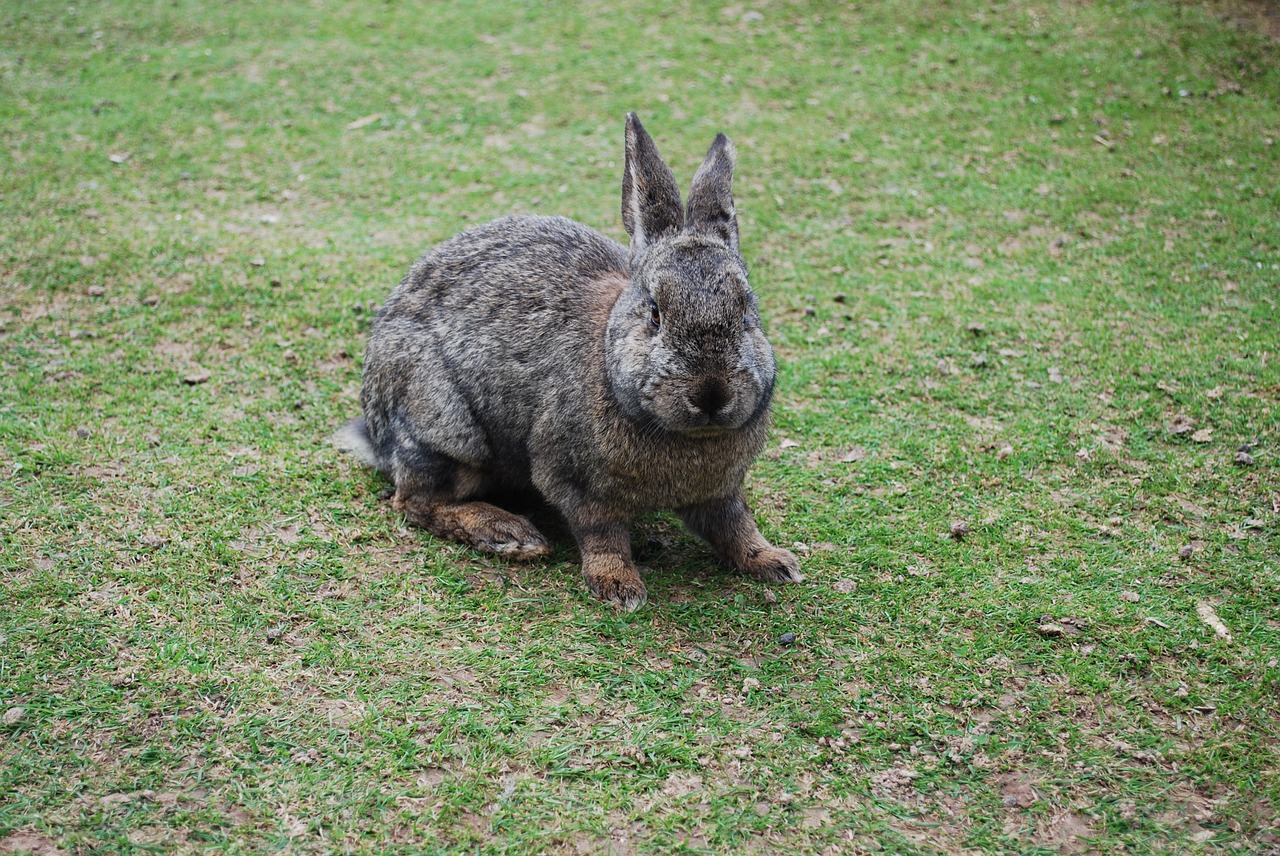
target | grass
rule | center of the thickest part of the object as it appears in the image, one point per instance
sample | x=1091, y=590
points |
x=1019, y=263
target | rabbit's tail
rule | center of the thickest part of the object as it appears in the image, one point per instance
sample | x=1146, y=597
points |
x=353, y=438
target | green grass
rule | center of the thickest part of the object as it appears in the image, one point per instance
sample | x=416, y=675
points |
x=999, y=248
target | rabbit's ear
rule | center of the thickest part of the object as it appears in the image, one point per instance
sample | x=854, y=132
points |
x=650, y=197
x=711, y=195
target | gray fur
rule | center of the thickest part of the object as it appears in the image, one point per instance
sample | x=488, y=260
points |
x=711, y=207
x=650, y=197
x=533, y=352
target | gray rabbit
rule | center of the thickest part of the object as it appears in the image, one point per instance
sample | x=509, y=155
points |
x=534, y=352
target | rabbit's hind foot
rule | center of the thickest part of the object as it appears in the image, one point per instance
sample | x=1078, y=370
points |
x=476, y=524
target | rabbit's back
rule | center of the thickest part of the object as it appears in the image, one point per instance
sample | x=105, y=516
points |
x=483, y=333
x=513, y=263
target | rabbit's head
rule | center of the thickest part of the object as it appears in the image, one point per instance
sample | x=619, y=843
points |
x=685, y=349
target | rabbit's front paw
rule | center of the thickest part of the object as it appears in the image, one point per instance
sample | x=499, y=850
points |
x=773, y=565
x=614, y=580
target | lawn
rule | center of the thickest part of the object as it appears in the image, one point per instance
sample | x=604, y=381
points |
x=1020, y=263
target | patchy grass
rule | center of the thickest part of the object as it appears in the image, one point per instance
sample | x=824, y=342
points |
x=1020, y=264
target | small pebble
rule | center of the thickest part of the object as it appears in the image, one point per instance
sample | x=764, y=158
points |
x=959, y=529
x=839, y=298
x=83, y=433
x=1185, y=551
x=810, y=310
x=1244, y=459
x=96, y=291
x=273, y=635
x=787, y=639
x=769, y=596
x=14, y=715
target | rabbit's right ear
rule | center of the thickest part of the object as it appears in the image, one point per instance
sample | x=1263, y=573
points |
x=650, y=198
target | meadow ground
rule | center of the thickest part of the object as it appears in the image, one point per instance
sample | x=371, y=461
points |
x=1020, y=263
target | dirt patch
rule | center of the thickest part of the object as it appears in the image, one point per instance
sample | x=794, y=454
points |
x=1016, y=792
x=30, y=842
x=678, y=786
x=894, y=783
x=1186, y=807
x=1065, y=832
x=340, y=713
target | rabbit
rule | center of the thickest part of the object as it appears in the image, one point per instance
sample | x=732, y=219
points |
x=534, y=352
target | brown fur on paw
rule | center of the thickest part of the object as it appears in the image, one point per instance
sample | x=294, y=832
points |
x=496, y=531
x=478, y=524
x=773, y=565
x=614, y=580
x=521, y=551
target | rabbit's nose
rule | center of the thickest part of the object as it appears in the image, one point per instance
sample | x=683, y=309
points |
x=710, y=397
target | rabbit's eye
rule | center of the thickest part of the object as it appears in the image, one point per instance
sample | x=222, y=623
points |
x=655, y=317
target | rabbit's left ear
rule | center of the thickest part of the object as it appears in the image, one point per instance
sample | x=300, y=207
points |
x=711, y=208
